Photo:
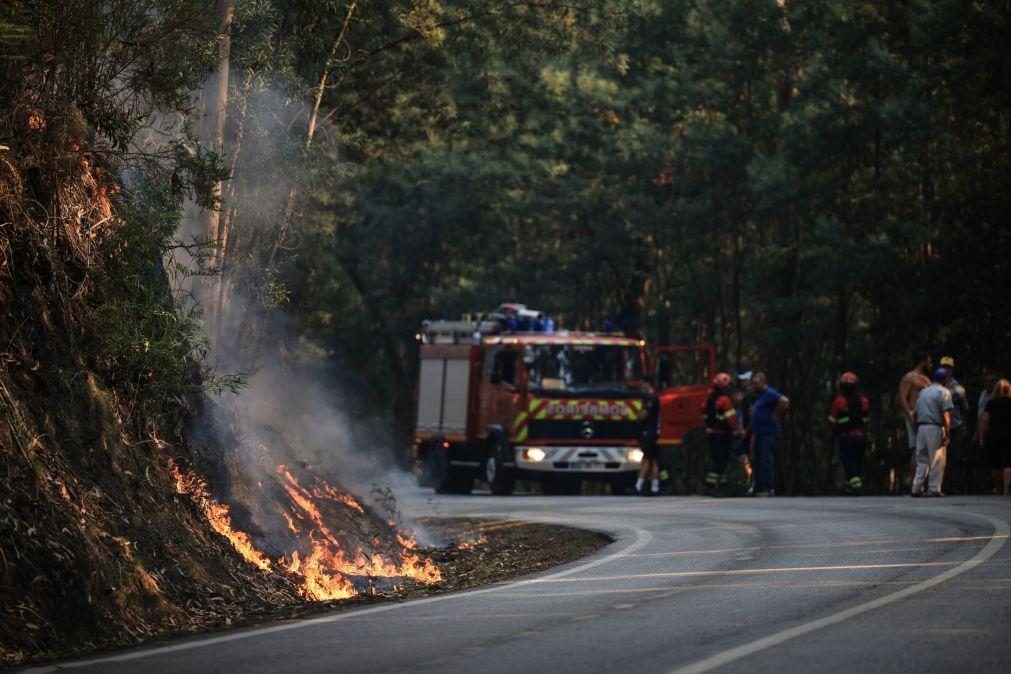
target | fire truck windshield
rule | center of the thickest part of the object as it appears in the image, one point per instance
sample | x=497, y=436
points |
x=583, y=368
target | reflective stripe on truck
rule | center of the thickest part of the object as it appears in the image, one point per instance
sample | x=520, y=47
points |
x=574, y=409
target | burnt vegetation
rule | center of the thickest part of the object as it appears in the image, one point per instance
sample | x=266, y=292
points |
x=193, y=193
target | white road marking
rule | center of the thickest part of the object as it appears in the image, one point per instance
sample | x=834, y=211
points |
x=642, y=538
x=747, y=572
x=482, y=616
x=666, y=591
x=996, y=542
x=833, y=545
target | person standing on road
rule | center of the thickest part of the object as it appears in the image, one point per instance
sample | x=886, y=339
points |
x=650, y=449
x=912, y=383
x=769, y=408
x=995, y=431
x=989, y=382
x=848, y=419
x=932, y=416
x=722, y=426
x=955, y=470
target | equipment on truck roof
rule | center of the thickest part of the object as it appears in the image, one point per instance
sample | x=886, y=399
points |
x=508, y=317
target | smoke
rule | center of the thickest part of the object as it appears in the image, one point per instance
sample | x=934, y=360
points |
x=298, y=407
x=293, y=398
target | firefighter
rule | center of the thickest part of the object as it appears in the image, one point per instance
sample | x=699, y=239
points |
x=721, y=427
x=848, y=420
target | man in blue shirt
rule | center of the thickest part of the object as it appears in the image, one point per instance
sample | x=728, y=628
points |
x=768, y=409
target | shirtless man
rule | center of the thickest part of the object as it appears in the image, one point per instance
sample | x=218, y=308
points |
x=912, y=383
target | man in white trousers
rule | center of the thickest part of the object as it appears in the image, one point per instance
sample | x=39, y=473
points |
x=932, y=416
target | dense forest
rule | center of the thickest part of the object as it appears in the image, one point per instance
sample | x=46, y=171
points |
x=266, y=197
x=811, y=186
x=808, y=186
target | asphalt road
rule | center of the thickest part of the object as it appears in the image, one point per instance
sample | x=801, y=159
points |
x=690, y=585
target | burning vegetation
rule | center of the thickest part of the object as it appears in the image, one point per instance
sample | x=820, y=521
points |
x=321, y=524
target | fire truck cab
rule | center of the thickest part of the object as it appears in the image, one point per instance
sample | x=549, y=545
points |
x=505, y=397
x=682, y=375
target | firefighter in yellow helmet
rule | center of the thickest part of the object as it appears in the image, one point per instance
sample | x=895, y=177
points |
x=721, y=427
x=848, y=420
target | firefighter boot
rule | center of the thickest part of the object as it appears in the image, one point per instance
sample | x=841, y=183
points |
x=854, y=485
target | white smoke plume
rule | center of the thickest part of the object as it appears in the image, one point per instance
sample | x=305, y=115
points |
x=297, y=407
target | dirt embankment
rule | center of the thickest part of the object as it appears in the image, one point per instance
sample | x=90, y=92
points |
x=97, y=548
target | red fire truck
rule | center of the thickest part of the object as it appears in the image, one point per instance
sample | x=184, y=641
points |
x=506, y=397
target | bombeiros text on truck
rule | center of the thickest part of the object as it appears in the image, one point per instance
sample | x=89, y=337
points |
x=504, y=396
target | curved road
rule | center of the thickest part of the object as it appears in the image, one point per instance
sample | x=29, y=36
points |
x=689, y=585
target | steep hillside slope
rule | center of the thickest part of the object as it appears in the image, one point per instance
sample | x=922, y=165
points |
x=96, y=546
x=108, y=532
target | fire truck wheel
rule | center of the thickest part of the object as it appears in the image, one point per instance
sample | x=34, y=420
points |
x=427, y=468
x=437, y=473
x=433, y=468
x=499, y=478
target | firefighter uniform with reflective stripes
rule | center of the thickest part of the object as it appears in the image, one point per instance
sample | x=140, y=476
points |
x=721, y=425
x=848, y=419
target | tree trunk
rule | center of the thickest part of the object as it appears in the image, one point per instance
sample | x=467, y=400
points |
x=226, y=244
x=331, y=59
x=215, y=114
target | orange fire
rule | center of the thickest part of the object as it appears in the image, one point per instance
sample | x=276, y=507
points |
x=217, y=514
x=469, y=545
x=326, y=568
x=320, y=582
x=326, y=573
x=413, y=566
x=324, y=490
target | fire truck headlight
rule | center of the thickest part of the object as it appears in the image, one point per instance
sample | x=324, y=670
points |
x=534, y=454
x=635, y=455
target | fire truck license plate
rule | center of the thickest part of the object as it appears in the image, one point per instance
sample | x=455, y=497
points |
x=587, y=465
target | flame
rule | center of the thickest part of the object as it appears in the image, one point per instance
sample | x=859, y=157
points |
x=325, y=490
x=321, y=582
x=327, y=564
x=322, y=490
x=217, y=514
x=470, y=545
x=327, y=572
x=413, y=566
